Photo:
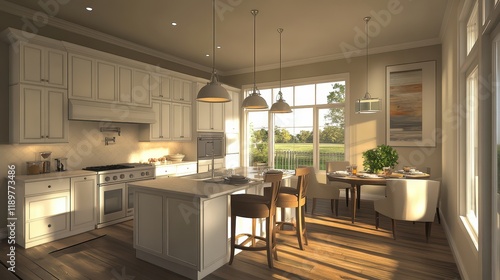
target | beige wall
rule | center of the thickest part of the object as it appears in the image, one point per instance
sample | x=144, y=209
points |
x=367, y=131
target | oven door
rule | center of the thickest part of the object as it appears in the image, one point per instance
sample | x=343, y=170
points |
x=211, y=145
x=112, y=202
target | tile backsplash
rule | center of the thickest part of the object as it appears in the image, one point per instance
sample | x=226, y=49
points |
x=86, y=147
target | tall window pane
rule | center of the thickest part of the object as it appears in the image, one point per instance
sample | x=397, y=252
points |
x=293, y=141
x=257, y=131
x=304, y=95
x=472, y=29
x=472, y=150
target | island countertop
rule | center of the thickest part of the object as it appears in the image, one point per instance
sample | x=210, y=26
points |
x=187, y=186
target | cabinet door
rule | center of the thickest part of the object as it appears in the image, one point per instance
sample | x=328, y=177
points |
x=83, y=202
x=217, y=116
x=56, y=125
x=141, y=94
x=31, y=118
x=32, y=64
x=155, y=128
x=149, y=222
x=124, y=84
x=55, y=68
x=204, y=111
x=182, y=90
x=165, y=121
x=160, y=87
x=106, y=81
x=81, y=77
x=232, y=113
x=44, y=206
x=181, y=121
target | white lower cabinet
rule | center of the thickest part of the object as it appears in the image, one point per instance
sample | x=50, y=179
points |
x=176, y=169
x=83, y=203
x=184, y=235
x=52, y=209
x=205, y=165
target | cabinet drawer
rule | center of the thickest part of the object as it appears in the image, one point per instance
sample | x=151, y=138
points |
x=47, y=205
x=165, y=170
x=45, y=227
x=47, y=186
x=186, y=169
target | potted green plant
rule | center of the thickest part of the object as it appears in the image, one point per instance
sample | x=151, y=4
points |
x=381, y=156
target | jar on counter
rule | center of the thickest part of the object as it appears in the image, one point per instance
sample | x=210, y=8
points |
x=34, y=167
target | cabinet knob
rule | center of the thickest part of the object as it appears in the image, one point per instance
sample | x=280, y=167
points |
x=49, y=186
x=49, y=225
x=84, y=178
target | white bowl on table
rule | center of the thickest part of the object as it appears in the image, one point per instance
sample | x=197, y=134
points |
x=176, y=157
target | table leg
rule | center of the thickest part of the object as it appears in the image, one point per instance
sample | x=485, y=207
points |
x=358, y=198
x=354, y=195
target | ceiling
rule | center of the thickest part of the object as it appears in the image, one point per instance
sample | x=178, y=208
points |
x=314, y=30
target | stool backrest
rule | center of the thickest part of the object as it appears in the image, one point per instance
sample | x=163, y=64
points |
x=302, y=174
x=275, y=179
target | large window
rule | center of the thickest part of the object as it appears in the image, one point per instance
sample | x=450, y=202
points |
x=311, y=135
x=470, y=180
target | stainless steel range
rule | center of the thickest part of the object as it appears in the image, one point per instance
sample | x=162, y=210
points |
x=116, y=203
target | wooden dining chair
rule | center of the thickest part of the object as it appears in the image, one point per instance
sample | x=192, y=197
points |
x=318, y=188
x=257, y=207
x=332, y=166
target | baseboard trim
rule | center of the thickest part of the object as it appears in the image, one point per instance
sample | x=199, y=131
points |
x=453, y=247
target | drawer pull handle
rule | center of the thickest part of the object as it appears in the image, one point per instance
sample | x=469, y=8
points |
x=49, y=186
x=49, y=225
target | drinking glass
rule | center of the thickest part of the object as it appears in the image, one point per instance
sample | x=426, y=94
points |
x=354, y=169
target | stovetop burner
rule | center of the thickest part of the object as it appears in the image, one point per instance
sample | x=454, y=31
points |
x=108, y=167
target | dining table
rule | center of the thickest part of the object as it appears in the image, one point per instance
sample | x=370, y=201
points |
x=356, y=181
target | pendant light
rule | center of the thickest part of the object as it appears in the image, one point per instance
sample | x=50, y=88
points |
x=367, y=104
x=280, y=106
x=254, y=100
x=213, y=92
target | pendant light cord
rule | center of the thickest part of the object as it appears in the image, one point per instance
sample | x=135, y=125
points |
x=254, y=13
x=367, y=19
x=213, y=37
x=280, y=30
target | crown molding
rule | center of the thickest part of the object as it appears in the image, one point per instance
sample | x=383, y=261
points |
x=339, y=56
x=20, y=11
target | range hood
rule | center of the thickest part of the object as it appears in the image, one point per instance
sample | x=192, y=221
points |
x=107, y=112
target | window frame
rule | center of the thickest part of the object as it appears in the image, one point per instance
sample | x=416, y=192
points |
x=343, y=77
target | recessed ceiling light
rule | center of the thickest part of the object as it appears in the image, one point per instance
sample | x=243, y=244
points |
x=207, y=55
x=219, y=47
x=174, y=23
x=89, y=9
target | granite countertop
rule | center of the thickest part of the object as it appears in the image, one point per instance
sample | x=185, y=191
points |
x=55, y=175
x=190, y=187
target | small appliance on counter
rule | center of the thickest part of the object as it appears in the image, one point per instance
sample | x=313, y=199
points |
x=61, y=164
x=34, y=167
x=45, y=159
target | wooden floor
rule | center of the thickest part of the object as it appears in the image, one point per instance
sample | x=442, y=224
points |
x=337, y=250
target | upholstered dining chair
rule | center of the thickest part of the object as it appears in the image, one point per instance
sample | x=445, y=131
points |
x=289, y=197
x=318, y=188
x=332, y=166
x=257, y=207
x=409, y=200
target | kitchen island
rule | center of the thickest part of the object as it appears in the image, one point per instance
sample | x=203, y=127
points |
x=181, y=224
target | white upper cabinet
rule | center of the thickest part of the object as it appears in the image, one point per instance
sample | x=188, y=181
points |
x=232, y=113
x=182, y=90
x=101, y=80
x=38, y=65
x=181, y=121
x=39, y=114
x=160, y=130
x=160, y=87
x=210, y=116
x=81, y=77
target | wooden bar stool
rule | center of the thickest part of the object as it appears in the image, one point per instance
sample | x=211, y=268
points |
x=257, y=207
x=289, y=197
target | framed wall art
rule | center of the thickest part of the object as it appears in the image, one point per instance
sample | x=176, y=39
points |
x=411, y=104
